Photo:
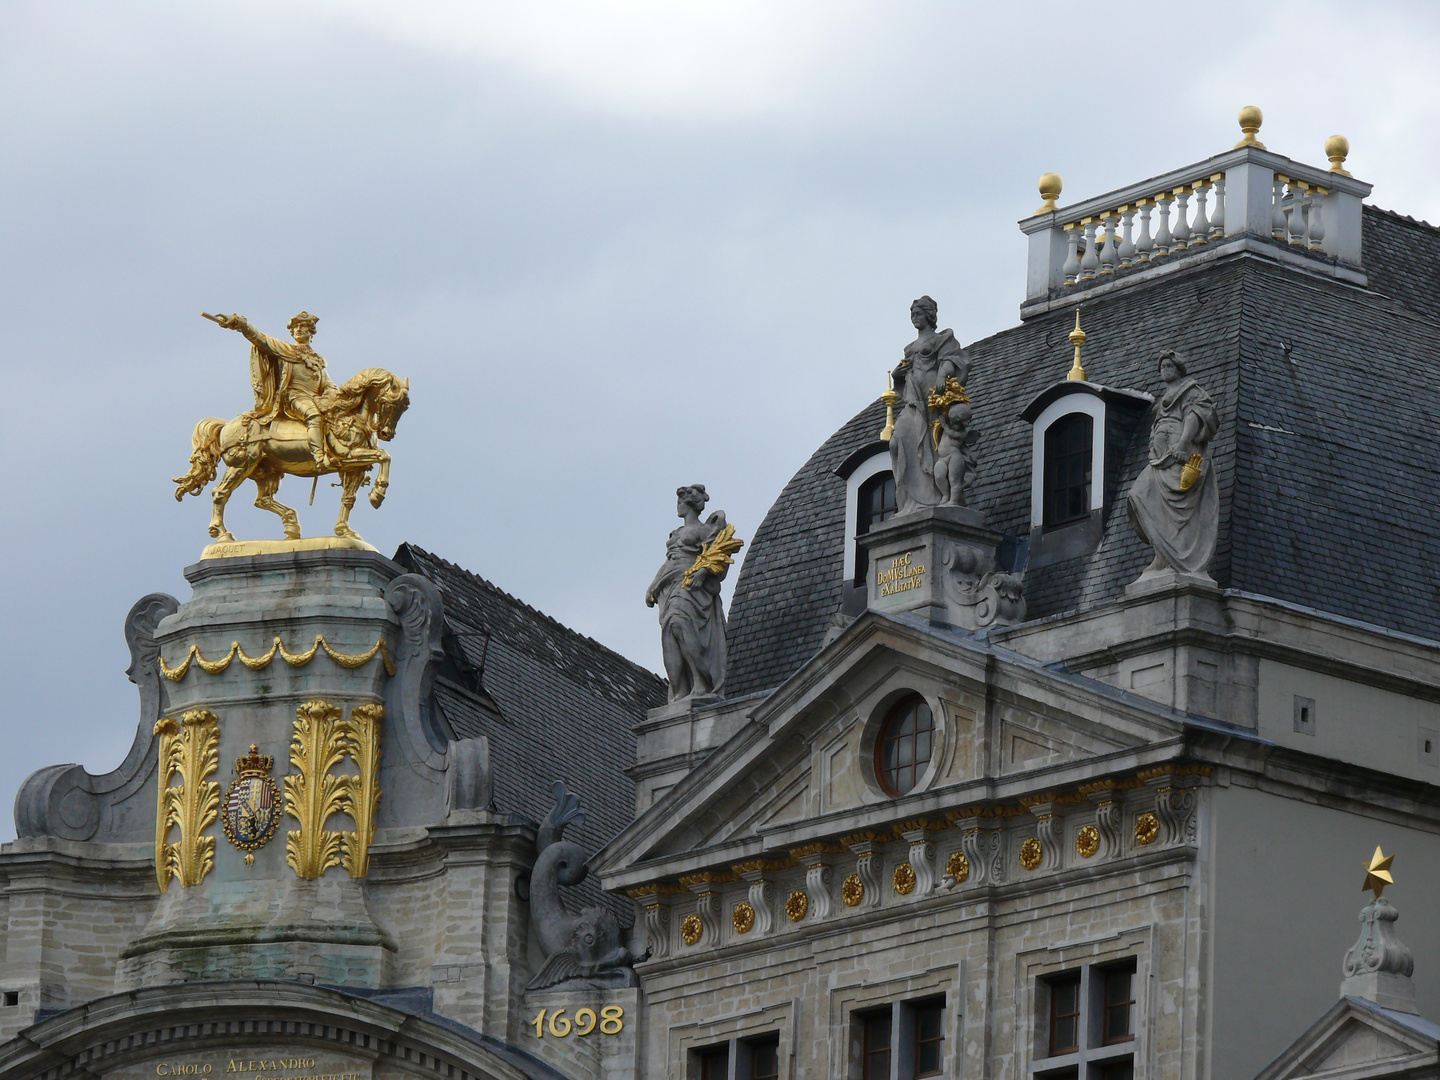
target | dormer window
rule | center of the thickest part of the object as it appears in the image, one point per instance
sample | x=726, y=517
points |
x=875, y=503
x=1069, y=458
x=1077, y=427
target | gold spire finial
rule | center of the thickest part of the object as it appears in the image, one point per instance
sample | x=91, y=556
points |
x=1250, y=120
x=1337, y=149
x=1050, y=188
x=1377, y=873
x=1077, y=338
x=891, y=399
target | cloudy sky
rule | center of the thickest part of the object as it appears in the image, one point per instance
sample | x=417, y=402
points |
x=616, y=247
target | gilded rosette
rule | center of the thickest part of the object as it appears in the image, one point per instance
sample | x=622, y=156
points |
x=852, y=890
x=743, y=917
x=1031, y=852
x=796, y=905
x=1087, y=841
x=958, y=866
x=1147, y=828
x=904, y=879
x=690, y=929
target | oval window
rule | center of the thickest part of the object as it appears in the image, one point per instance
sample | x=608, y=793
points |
x=903, y=749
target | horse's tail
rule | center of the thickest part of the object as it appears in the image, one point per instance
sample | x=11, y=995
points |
x=203, y=461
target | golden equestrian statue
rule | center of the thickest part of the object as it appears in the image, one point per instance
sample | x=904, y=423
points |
x=302, y=425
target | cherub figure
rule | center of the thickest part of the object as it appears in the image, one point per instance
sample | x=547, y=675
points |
x=954, y=455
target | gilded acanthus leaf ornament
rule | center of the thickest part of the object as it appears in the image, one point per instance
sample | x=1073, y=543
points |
x=189, y=747
x=362, y=743
x=302, y=425
x=312, y=792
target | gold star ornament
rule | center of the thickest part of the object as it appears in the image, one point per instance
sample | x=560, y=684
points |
x=1377, y=873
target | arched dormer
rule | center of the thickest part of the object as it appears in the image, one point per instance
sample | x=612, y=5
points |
x=1078, y=430
x=869, y=499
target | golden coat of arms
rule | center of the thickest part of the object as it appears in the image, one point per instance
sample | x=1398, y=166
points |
x=252, y=807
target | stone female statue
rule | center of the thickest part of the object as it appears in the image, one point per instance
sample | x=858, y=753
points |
x=1175, y=502
x=687, y=591
x=930, y=359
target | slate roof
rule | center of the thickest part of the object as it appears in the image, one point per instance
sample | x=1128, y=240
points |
x=1327, y=457
x=554, y=704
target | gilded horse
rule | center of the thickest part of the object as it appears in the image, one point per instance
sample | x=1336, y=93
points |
x=359, y=414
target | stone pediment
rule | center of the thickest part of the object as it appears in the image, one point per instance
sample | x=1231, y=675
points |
x=1358, y=1040
x=803, y=768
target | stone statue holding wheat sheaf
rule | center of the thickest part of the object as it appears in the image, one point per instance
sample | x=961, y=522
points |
x=302, y=425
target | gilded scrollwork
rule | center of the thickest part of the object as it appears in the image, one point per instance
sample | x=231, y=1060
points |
x=362, y=736
x=320, y=743
x=191, y=748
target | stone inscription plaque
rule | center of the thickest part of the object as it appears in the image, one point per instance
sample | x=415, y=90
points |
x=903, y=574
x=254, y=1064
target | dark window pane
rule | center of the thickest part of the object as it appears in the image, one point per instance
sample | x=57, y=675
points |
x=1065, y=483
x=715, y=1064
x=905, y=745
x=875, y=1053
x=1064, y=1015
x=1119, y=1005
x=929, y=1039
x=1118, y=1070
x=876, y=503
x=765, y=1060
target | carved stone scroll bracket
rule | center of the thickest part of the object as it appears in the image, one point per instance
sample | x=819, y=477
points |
x=1379, y=965
x=819, y=876
x=922, y=860
x=1109, y=816
x=869, y=861
x=654, y=903
x=985, y=851
x=68, y=802
x=761, y=895
x=417, y=605
x=1175, y=806
x=706, y=888
x=1050, y=830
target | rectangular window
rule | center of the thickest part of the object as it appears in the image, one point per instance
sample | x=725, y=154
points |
x=1116, y=1070
x=929, y=1036
x=1064, y=1015
x=715, y=1063
x=875, y=1045
x=764, y=1059
x=1118, y=1023
x=1066, y=482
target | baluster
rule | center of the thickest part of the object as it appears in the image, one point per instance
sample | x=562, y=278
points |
x=1181, y=229
x=1217, y=219
x=1108, y=257
x=1090, y=260
x=1162, y=234
x=1277, y=215
x=1317, y=220
x=1127, y=245
x=1145, y=243
x=1200, y=227
x=1071, y=269
x=1295, y=215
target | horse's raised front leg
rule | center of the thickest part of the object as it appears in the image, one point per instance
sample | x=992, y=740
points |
x=234, y=476
x=268, y=482
x=349, y=485
x=382, y=481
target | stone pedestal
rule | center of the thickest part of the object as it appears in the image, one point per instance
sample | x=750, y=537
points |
x=310, y=656
x=939, y=563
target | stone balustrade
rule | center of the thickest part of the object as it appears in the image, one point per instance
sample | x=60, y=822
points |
x=1247, y=197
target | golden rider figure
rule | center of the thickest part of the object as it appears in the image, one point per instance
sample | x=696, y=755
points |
x=288, y=376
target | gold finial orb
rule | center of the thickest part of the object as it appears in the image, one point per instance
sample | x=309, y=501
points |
x=1337, y=149
x=1050, y=188
x=1077, y=338
x=1250, y=120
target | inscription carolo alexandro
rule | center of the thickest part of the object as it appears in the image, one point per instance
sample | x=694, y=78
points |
x=292, y=1068
x=902, y=576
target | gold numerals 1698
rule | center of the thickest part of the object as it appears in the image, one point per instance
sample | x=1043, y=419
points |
x=611, y=1022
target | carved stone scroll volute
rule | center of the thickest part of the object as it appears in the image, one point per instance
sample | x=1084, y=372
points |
x=705, y=886
x=654, y=902
x=761, y=894
x=922, y=857
x=1050, y=830
x=819, y=876
x=869, y=857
